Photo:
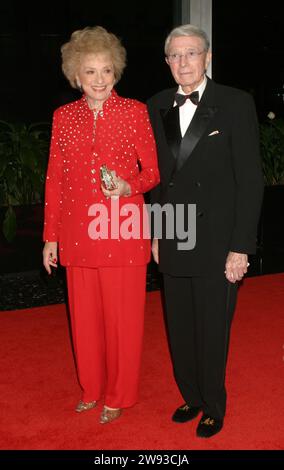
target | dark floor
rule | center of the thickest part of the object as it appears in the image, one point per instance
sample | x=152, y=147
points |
x=30, y=289
x=25, y=284
x=35, y=288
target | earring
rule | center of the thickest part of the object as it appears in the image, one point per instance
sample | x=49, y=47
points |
x=79, y=87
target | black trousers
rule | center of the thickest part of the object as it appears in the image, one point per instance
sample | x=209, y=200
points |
x=199, y=313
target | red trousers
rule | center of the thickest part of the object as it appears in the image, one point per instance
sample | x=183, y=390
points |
x=107, y=319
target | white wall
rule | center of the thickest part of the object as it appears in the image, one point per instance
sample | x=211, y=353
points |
x=199, y=13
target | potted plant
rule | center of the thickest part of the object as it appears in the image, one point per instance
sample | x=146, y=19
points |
x=23, y=160
x=272, y=149
x=271, y=227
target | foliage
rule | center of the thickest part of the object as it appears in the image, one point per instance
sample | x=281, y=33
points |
x=23, y=160
x=272, y=149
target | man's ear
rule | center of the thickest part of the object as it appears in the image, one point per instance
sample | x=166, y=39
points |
x=208, y=59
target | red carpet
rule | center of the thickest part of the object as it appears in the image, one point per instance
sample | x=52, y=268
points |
x=39, y=388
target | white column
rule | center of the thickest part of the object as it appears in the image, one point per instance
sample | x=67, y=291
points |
x=199, y=13
x=185, y=11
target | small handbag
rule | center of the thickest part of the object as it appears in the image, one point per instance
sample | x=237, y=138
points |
x=108, y=177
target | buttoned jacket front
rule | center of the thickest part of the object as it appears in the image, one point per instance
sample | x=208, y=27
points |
x=215, y=168
x=77, y=214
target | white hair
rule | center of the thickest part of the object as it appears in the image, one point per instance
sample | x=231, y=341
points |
x=187, y=30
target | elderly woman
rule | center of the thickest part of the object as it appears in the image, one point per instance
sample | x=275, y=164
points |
x=105, y=256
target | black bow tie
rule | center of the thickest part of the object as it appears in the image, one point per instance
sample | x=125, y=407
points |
x=181, y=99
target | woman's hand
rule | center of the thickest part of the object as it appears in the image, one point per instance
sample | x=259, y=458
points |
x=50, y=255
x=155, y=250
x=123, y=188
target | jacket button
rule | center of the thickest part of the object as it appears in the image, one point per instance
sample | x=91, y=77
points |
x=199, y=214
x=171, y=184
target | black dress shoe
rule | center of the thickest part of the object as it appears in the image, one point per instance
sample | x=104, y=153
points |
x=185, y=413
x=208, y=426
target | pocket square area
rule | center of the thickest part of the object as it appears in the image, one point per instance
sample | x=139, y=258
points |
x=213, y=133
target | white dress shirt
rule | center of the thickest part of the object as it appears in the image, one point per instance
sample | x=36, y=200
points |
x=187, y=110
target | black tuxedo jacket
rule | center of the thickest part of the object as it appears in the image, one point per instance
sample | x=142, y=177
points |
x=219, y=173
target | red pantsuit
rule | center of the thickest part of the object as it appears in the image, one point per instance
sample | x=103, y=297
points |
x=106, y=273
x=107, y=316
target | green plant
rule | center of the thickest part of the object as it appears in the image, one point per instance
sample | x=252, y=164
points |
x=23, y=160
x=272, y=149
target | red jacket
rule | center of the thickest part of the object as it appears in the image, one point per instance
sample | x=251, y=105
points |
x=121, y=137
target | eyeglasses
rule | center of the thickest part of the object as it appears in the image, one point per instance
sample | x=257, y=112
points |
x=189, y=55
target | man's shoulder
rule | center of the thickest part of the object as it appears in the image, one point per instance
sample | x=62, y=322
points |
x=231, y=93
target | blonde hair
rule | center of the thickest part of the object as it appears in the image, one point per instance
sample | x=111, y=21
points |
x=91, y=40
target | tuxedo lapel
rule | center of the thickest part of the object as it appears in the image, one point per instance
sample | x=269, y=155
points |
x=181, y=148
x=203, y=114
x=170, y=118
x=195, y=130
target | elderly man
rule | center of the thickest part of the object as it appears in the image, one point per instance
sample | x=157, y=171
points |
x=208, y=148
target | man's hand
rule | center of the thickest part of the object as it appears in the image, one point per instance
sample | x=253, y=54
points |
x=155, y=250
x=236, y=266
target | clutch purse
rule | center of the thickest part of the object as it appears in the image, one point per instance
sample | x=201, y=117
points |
x=108, y=177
